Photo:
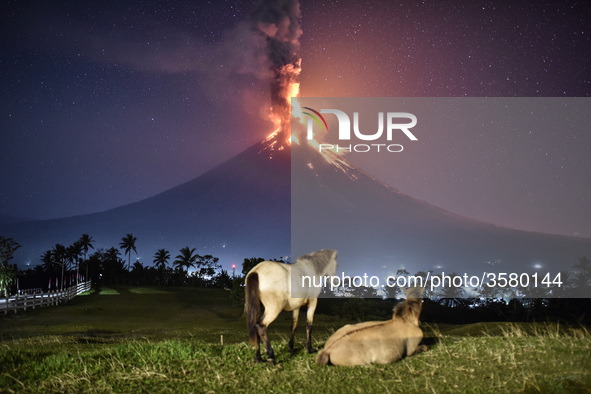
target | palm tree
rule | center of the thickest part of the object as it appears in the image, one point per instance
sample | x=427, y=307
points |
x=161, y=259
x=73, y=254
x=111, y=256
x=49, y=264
x=59, y=256
x=185, y=259
x=47, y=261
x=113, y=266
x=86, y=242
x=128, y=244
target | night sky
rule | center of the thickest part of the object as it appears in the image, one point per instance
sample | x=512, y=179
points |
x=106, y=103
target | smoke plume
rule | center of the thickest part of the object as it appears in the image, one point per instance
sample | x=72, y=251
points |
x=278, y=22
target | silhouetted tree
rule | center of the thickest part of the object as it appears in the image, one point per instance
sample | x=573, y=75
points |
x=223, y=280
x=7, y=248
x=489, y=292
x=452, y=295
x=207, y=266
x=427, y=293
x=249, y=264
x=391, y=290
x=185, y=259
x=7, y=272
x=138, y=273
x=582, y=279
x=128, y=244
x=95, y=265
x=73, y=253
x=113, y=266
x=161, y=259
x=86, y=242
x=60, y=257
x=47, y=261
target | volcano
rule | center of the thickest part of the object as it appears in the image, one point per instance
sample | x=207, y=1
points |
x=250, y=205
x=238, y=209
x=379, y=230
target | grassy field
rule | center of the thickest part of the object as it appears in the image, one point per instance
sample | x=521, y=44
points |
x=151, y=340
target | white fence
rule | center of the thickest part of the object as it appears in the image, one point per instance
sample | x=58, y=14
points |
x=55, y=297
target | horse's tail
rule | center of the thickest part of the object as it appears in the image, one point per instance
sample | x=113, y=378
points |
x=252, y=307
x=323, y=358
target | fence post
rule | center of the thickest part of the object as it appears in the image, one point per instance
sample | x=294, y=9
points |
x=16, y=303
x=25, y=301
x=34, y=294
x=6, y=303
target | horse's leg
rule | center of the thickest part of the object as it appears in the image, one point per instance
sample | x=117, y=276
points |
x=413, y=347
x=294, y=324
x=258, y=354
x=309, y=320
x=262, y=331
x=268, y=317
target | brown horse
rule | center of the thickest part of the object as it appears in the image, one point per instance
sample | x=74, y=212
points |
x=381, y=342
x=270, y=283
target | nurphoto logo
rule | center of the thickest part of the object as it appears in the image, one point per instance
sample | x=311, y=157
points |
x=397, y=123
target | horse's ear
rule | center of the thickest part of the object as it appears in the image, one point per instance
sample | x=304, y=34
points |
x=405, y=291
x=413, y=292
x=334, y=254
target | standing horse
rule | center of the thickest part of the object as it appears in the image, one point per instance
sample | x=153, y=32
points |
x=270, y=283
x=381, y=342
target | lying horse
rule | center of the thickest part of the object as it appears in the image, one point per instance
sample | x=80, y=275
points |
x=378, y=342
x=270, y=283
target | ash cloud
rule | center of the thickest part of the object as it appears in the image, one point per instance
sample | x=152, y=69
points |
x=254, y=58
x=279, y=23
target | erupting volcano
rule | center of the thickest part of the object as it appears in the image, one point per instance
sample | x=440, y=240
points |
x=282, y=197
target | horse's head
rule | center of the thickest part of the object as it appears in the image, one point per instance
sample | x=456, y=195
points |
x=331, y=267
x=324, y=261
x=410, y=309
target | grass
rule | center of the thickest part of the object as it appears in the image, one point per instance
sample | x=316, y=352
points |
x=155, y=340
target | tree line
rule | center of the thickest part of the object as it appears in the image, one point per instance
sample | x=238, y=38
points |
x=64, y=265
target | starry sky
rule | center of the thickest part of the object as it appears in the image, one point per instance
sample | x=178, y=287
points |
x=107, y=103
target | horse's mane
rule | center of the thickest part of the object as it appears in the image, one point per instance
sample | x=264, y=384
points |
x=319, y=259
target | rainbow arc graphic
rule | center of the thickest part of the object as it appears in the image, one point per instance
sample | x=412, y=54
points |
x=316, y=115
